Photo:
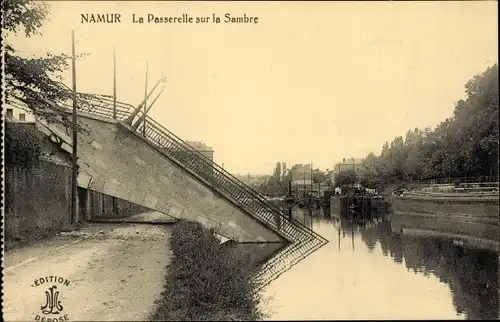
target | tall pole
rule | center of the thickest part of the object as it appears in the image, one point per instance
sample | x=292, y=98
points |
x=74, y=163
x=304, y=184
x=310, y=193
x=114, y=82
x=311, y=177
x=353, y=168
x=352, y=237
x=339, y=233
x=289, y=200
x=145, y=100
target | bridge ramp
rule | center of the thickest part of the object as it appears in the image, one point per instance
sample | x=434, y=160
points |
x=115, y=160
x=245, y=212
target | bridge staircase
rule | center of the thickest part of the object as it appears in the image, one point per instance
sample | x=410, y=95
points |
x=302, y=240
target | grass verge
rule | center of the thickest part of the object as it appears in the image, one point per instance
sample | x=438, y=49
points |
x=205, y=281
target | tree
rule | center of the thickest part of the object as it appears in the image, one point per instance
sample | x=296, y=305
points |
x=277, y=173
x=477, y=118
x=283, y=171
x=368, y=175
x=319, y=176
x=30, y=82
x=345, y=177
x=465, y=144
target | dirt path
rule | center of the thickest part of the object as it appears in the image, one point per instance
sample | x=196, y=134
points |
x=108, y=272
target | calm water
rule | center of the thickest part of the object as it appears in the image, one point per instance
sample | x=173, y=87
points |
x=369, y=270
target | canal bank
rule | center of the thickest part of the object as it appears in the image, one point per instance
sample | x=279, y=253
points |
x=480, y=208
x=472, y=218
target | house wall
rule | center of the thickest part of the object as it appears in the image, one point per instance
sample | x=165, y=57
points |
x=37, y=199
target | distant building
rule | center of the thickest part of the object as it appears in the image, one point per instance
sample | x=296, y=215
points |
x=252, y=180
x=301, y=174
x=331, y=176
x=15, y=114
x=203, y=149
x=349, y=164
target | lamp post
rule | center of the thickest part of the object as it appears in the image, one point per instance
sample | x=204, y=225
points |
x=74, y=175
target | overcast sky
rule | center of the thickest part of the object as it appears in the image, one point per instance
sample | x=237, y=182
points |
x=310, y=82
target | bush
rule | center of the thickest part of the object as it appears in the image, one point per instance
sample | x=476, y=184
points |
x=205, y=281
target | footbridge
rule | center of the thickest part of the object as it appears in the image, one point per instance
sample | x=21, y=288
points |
x=124, y=153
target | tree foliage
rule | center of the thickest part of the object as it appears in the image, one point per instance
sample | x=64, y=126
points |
x=464, y=145
x=31, y=81
x=345, y=178
x=319, y=176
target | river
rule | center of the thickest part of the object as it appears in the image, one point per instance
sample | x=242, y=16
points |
x=369, y=270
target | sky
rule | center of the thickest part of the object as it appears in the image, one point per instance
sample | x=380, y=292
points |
x=310, y=82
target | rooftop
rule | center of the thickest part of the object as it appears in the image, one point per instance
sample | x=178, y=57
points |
x=199, y=145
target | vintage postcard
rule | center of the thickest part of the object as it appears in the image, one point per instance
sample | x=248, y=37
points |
x=237, y=160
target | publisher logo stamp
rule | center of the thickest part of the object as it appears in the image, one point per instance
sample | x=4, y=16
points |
x=51, y=309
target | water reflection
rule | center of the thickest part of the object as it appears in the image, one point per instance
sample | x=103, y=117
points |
x=372, y=270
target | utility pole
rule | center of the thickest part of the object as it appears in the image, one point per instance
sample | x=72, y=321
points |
x=114, y=82
x=74, y=206
x=145, y=100
x=310, y=201
x=352, y=236
x=340, y=223
x=304, y=192
x=311, y=178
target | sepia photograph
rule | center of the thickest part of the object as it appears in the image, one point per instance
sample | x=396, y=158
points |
x=250, y=160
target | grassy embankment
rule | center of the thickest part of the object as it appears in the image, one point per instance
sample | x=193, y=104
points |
x=205, y=281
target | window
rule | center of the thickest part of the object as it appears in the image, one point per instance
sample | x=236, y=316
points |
x=22, y=117
x=10, y=112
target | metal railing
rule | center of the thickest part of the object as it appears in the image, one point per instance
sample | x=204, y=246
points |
x=286, y=259
x=222, y=181
x=453, y=180
x=303, y=240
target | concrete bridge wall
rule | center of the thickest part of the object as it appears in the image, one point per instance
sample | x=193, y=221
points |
x=118, y=162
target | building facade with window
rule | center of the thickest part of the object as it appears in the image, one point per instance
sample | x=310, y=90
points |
x=349, y=164
x=15, y=114
x=202, y=148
